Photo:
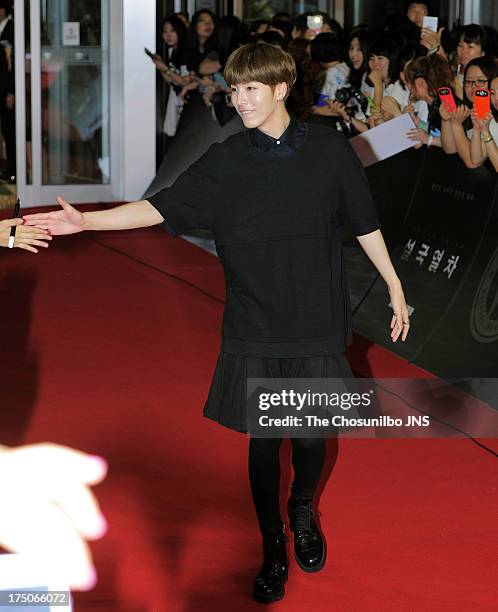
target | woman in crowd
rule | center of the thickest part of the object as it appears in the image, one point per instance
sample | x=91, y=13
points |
x=384, y=72
x=201, y=39
x=326, y=49
x=230, y=35
x=174, y=33
x=471, y=44
x=353, y=112
x=478, y=74
x=174, y=37
x=400, y=96
x=424, y=76
x=483, y=144
x=358, y=56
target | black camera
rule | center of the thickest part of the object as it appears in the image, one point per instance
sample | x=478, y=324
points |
x=347, y=95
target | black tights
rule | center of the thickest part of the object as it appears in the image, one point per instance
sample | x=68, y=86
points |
x=308, y=456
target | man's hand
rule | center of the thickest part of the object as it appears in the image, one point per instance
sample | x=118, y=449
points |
x=27, y=238
x=60, y=222
x=374, y=246
x=400, y=323
x=70, y=221
x=47, y=507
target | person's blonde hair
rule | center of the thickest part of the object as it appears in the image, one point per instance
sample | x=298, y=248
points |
x=261, y=62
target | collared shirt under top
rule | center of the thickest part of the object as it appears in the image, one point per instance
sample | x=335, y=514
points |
x=4, y=23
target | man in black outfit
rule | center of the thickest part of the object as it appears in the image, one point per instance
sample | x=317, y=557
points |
x=276, y=197
x=7, y=89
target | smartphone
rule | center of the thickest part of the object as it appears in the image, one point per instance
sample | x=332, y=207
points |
x=482, y=102
x=315, y=23
x=430, y=23
x=446, y=97
x=149, y=53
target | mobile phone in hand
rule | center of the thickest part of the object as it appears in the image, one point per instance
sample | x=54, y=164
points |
x=315, y=23
x=430, y=23
x=482, y=102
x=446, y=97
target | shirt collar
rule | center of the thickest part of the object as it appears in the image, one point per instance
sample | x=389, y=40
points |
x=4, y=23
x=288, y=142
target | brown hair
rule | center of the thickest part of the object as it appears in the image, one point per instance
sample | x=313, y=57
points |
x=435, y=70
x=263, y=63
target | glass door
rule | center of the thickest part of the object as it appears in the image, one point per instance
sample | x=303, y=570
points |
x=63, y=56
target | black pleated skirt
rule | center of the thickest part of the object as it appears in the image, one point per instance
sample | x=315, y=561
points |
x=226, y=402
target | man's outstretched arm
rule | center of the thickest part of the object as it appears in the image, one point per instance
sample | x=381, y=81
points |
x=69, y=220
x=374, y=246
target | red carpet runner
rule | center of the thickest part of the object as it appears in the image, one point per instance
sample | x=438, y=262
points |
x=114, y=357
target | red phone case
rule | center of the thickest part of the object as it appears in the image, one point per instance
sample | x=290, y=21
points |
x=446, y=97
x=482, y=102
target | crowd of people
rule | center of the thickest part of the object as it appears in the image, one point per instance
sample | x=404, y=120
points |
x=353, y=80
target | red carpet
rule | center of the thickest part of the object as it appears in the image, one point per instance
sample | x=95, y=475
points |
x=105, y=354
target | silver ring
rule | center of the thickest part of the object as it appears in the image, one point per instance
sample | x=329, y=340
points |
x=406, y=322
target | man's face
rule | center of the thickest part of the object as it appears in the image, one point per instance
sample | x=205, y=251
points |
x=416, y=12
x=255, y=102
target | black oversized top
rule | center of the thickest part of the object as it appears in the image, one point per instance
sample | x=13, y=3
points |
x=276, y=208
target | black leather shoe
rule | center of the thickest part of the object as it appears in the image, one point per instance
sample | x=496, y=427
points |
x=269, y=583
x=309, y=545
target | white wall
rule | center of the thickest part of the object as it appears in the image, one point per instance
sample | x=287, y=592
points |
x=138, y=132
x=471, y=11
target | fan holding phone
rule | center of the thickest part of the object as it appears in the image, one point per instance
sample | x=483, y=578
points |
x=483, y=144
x=456, y=122
x=430, y=36
x=425, y=77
